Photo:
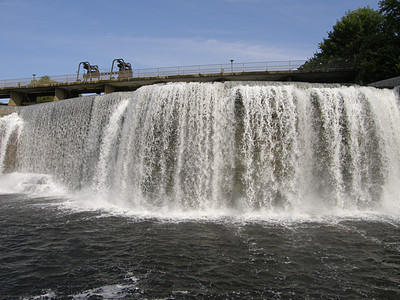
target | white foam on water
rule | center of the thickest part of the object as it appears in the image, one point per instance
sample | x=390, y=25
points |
x=115, y=291
x=48, y=295
x=33, y=185
x=95, y=203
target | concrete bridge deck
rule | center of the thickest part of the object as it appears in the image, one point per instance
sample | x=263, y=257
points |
x=26, y=91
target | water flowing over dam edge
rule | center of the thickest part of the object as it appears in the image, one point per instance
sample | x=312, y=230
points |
x=255, y=147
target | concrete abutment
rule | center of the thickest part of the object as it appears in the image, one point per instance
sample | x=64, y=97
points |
x=60, y=94
x=108, y=89
x=16, y=99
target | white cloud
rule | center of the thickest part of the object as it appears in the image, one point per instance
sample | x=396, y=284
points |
x=153, y=52
x=63, y=53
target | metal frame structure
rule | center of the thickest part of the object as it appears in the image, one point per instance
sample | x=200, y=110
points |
x=125, y=69
x=92, y=71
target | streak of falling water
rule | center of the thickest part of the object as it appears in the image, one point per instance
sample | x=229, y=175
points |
x=10, y=129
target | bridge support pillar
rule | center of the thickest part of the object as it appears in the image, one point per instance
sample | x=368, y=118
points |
x=108, y=89
x=60, y=94
x=16, y=99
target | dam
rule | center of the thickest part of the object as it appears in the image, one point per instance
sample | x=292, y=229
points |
x=197, y=146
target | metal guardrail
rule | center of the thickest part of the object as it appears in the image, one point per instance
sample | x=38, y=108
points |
x=227, y=68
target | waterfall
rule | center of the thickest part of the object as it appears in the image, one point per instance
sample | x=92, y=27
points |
x=216, y=146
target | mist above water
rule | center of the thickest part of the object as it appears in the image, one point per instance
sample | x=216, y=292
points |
x=198, y=147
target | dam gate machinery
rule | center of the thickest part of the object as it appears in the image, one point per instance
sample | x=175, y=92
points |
x=91, y=72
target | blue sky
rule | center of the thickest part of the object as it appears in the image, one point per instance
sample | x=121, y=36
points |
x=51, y=37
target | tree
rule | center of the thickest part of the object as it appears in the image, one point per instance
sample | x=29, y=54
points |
x=42, y=81
x=391, y=9
x=362, y=38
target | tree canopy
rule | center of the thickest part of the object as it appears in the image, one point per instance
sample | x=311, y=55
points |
x=367, y=38
x=391, y=9
x=43, y=80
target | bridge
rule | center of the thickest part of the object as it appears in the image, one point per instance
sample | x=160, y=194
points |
x=26, y=91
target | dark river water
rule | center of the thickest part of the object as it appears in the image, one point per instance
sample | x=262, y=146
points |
x=50, y=251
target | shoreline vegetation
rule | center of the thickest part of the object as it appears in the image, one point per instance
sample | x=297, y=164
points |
x=367, y=38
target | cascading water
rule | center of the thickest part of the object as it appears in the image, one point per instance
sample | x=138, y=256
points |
x=217, y=146
x=10, y=129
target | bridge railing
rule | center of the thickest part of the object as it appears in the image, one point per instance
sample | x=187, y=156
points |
x=167, y=71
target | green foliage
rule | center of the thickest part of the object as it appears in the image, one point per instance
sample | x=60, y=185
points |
x=391, y=9
x=320, y=63
x=364, y=38
x=44, y=99
x=43, y=80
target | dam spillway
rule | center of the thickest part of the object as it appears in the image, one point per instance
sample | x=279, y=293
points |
x=232, y=146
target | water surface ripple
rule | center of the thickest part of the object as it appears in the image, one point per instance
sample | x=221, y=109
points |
x=47, y=252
